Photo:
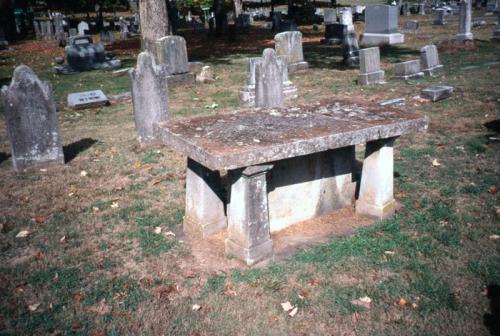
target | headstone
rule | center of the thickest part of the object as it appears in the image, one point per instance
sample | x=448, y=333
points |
x=50, y=30
x=496, y=32
x=329, y=16
x=150, y=96
x=107, y=37
x=421, y=8
x=83, y=27
x=411, y=25
x=350, y=50
x=124, y=31
x=247, y=93
x=87, y=99
x=408, y=70
x=381, y=26
x=171, y=52
x=289, y=45
x=465, y=21
x=438, y=92
x=36, y=27
x=82, y=54
x=277, y=17
x=73, y=32
x=269, y=80
x=439, y=17
x=346, y=18
x=206, y=75
x=31, y=118
x=43, y=29
x=370, y=72
x=429, y=60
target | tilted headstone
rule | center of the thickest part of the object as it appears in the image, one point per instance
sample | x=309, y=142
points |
x=269, y=80
x=350, y=49
x=329, y=16
x=439, y=17
x=370, y=72
x=429, y=60
x=381, y=26
x=247, y=93
x=289, y=45
x=87, y=99
x=83, y=27
x=31, y=118
x=171, y=52
x=149, y=95
x=465, y=21
x=408, y=70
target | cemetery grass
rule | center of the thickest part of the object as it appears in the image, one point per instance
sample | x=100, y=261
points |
x=93, y=264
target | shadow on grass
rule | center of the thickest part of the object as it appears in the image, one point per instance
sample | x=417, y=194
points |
x=4, y=157
x=492, y=321
x=72, y=150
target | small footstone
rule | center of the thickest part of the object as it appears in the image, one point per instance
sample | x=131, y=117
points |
x=438, y=92
x=393, y=102
x=87, y=99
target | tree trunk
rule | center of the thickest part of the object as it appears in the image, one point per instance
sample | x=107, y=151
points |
x=154, y=23
x=238, y=8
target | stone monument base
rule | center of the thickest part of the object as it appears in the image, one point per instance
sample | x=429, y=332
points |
x=370, y=39
x=294, y=67
x=465, y=37
x=412, y=76
x=434, y=71
x=181, y=79
x=247, y=94
x=371, y=78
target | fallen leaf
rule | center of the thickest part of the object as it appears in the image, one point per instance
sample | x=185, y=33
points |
x=493, y=189
x=63, y=239
x=78, y=297
x=95, y=209
x=196, y=307
x=304, y=294
x=436, y=163
x=313, y=282
x=114, y=205
x=494, y=237
x=414, y=305
x=294, y=312
x=38, y=220
x=402, y=302
x=33, y=307
x=389, y=252
x=157, y=230
x=83, y=173
x=169, y=233
x=23, y=234
x=364, y=301
x=287, y=306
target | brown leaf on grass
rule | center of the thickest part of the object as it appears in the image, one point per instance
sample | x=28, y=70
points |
x=313, y=282
x=78, y=297
x=164, y=292
x=304, y=294
x=38, y=255
x=33, y=307
x=101, y=308
x=493, y=189
x=98, y=333
x=435, y=163
x=364, y=301
x=75, y=325
x=38, y=220
x=416, y=204
x=402, y=302
x=23, y=234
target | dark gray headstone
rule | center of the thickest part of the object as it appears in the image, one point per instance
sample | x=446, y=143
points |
x=32, y=125
x=381, y=19
x=150, y=96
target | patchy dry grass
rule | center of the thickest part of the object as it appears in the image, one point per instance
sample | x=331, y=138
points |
x=95, y=266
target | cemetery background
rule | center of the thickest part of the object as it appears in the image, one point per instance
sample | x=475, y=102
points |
x=94, y=263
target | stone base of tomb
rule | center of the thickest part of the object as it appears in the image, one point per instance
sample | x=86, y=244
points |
x=331, y=41
x=377, y=212
x=434, y=71
x=464, y=37
x=294, y=67
x=187, y=78
x=370, y=39
x=247, y=94
x=376, y=77
x=408, y=77
x=252, y=255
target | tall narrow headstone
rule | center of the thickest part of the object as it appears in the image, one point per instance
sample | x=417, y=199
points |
x=496, y=32
x=381, y=26
x=350, y=50
x=289, y=45
x=82, y=28
x=370, y=72
x=171, y=52
x=32, y=125
x=36, y=27
x=268, y=80
x=123, y=28
x=429, y=60
x=465, y=21
x=421, y=8
x=50, y=30
x=149, y=95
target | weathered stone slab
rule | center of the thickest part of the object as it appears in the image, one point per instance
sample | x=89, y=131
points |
x=269, y=80
x=289, y=45
x=393, y=102
x=87, y=99
x=370, y=72
x=245, y=138
x=429, y=60
x=438, y=92
x=150, y=96
x=31, y=118
x=408, y=70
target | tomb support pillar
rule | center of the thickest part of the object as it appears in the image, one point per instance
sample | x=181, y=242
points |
x=376, y=190
x=249, y=236
x=204, y=202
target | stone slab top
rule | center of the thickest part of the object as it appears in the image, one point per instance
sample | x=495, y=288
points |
x=250, y=137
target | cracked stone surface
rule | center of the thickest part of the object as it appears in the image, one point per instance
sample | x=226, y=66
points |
x=249, y=137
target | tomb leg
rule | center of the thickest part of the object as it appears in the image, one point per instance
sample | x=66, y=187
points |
x=204, y=203
x=376, y=189
x=249, y=236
